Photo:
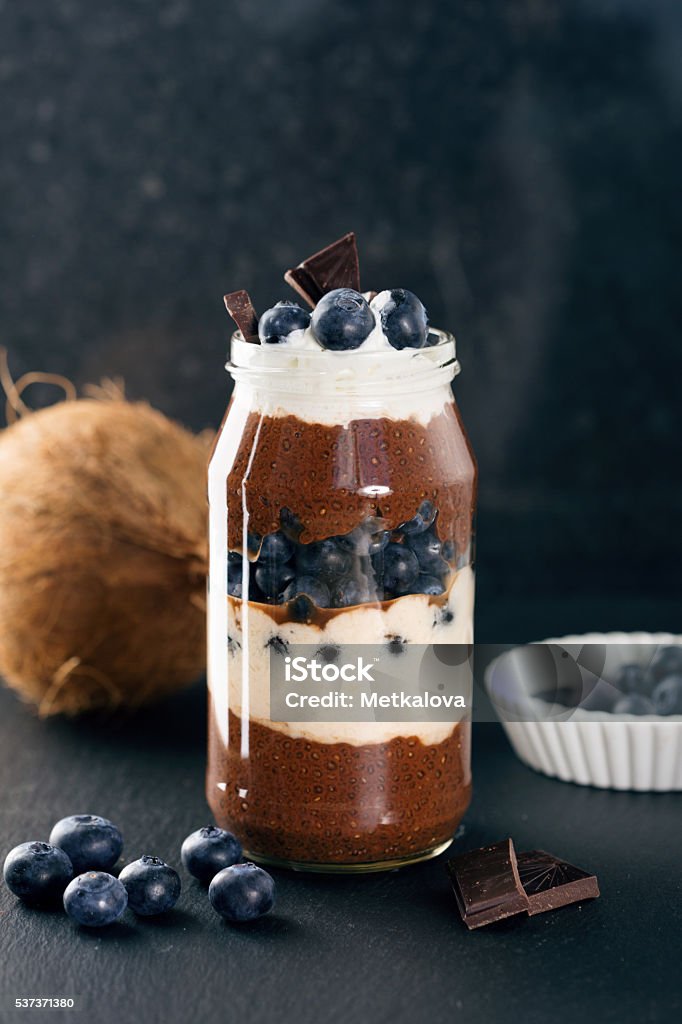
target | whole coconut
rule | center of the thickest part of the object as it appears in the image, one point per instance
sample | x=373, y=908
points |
x=102, y=555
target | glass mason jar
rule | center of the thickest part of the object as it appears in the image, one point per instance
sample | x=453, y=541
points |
x=325, y=462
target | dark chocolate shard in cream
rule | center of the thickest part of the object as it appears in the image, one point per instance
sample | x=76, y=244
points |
x=240, y=308
x=335, y=266
x=487, y=884
x=550, y=883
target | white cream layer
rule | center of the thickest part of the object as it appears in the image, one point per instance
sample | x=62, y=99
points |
x=413, y=618
x=334, y=388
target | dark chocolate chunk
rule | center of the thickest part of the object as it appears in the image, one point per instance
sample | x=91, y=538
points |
x=336, y=266
x=550, y=883
x=240, y=308
x=487, y=884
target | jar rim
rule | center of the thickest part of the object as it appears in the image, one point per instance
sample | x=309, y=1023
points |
x=344, y=372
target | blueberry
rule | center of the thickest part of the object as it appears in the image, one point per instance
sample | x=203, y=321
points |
x=403, y=318
x=235, y=579
x=276, y=324
x=301, y=609
x=310, y=587
x=272, y=578
x=90, y=842
x=426, y=584
x=401, y=568
x=634, y=704
x=396, y=645
x=449, y=550
x=631, y=679
x=666, y=662
x=342, y=319
x=234, y=558
x=426, y=513
x=279, y=645
x=369, y=538
x=328, y=653
x=253, y=542
x=425, y=545
x=323, y=558
x=290, y=524
x=242, y=893
x=37, y=872
x=208, y=850
x=348, y=592
x=95, y=899
x=152, y=886
x=667, y=696
x=275, y=548
x=428, y=550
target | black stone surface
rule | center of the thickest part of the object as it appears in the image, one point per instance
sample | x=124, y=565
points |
x=383, y=947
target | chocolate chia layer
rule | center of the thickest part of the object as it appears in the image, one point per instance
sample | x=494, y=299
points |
x=332, y=477
x=298, y=800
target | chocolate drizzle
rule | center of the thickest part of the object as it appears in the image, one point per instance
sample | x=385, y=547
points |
x=335, y=266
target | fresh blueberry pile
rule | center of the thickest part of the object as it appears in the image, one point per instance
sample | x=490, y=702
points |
x=370, y=563
x=655, y=689
x=73, y=868
x=343, y=319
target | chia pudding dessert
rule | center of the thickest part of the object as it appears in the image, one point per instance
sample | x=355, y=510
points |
x=342, y=492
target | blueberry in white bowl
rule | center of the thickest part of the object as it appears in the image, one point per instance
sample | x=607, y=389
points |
x=342, y=320
x=595, y=709
x=276, y=324
x=633, y=704
x=667, y=696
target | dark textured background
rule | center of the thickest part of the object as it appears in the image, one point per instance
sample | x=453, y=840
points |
x=515, y=162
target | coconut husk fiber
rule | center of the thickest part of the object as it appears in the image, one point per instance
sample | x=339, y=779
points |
x=103, y=553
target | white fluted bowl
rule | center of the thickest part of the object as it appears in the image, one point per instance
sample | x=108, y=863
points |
x=592, y=748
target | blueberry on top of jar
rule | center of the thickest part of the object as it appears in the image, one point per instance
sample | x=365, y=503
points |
x=403, y=318
x=276, y=324
x=342, y=319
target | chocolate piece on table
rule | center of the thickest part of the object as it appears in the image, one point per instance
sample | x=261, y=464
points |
x=240, y=308
x=335, y=266
x=487, y=884
x=550, y=883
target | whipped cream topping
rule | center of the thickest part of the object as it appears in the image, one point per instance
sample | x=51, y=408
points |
x=300, y=378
